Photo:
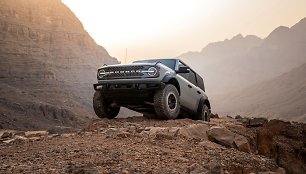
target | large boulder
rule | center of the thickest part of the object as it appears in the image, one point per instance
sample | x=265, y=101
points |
x=194, y=131
x=227, y=138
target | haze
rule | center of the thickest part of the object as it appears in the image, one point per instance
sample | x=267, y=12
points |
x=150, y=29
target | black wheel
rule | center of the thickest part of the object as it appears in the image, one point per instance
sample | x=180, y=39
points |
x=203, y=112
x=167, y=102
x=102, y=106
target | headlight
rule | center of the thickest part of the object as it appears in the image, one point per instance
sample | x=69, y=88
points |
x=101, y=73
x=152, y=71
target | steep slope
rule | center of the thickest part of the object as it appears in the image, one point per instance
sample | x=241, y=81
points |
x=281, y=97
x=48, y=65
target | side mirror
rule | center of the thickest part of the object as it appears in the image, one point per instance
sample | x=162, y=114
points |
x=183, y=69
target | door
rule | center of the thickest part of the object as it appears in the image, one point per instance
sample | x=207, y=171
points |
x=190, y=95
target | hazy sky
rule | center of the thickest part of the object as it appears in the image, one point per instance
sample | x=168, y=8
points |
x=167, y=28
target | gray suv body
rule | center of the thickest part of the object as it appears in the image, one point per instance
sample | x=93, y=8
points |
x=162, y=88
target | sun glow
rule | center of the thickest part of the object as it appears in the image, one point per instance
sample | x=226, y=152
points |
x=166, y=28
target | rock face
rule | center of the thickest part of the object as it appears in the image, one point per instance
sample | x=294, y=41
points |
x=48, y=65
x=285, y=142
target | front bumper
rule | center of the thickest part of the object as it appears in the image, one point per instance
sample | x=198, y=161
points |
x=116, y=85
x=129, y=94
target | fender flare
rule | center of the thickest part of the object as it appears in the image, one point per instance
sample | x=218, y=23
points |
x=203, y=101
x=172, y=80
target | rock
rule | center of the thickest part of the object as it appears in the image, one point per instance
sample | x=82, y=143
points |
x=16, y=138
x=227, y=138
x=256, y=122
x=181, y=159
x=214, y=115
x=211, y=145
x=174, y=130
x=244, y=120
x=228, y=116
x=277, y=126
x=9, y=141
x=197, y=131
x=197, y=169
x=36, y=133
x=160, y=132
x=215, y=167
x=20, y=137
x=66, y=135
x=7, y=135
x=153, y=130
x=124, y=135
x=21, y=133
x=238, y=117
x=53, y=135
x=265, y=143
x=34, y=138
x=242, y=143
x=278, y=171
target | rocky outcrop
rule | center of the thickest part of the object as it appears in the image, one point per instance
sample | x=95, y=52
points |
x=227, y=138
x=49, y=61
x=284, y=142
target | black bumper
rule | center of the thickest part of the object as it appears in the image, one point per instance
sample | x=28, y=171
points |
x=129, y=86
x=134, y=94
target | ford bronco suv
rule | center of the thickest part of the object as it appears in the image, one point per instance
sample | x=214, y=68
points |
x=163, y=88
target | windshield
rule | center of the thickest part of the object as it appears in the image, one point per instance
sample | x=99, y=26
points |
x=168, y=62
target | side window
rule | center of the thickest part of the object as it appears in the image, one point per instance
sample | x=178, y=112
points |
x=192, y=78
x=200, y=82
x=184, y=75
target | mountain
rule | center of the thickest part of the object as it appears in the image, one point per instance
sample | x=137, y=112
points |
x=281, y=97
x=234, y=65
x=217, y=62
x=48, y=65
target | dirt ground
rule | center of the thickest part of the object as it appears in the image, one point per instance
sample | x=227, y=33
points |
x=120, y=146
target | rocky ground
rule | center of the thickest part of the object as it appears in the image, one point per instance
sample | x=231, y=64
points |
x=140, y=145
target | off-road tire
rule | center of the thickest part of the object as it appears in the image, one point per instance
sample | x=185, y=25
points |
x=167, y=102
x=203, y=112
x=102, y=106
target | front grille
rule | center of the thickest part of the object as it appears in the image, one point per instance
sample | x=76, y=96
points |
x=123, y=68
x=120, y=72
x=123, y=75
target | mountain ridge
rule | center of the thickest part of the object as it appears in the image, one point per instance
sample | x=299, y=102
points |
x=229, y=67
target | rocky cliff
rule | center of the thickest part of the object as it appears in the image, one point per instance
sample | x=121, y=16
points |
x=48, y=65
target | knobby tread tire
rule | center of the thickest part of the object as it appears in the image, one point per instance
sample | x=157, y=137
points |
x=200, y=114
x=160, y=102
x=101, y=108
